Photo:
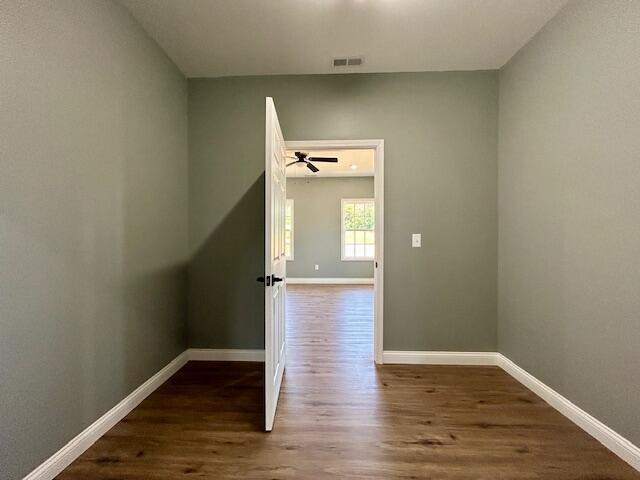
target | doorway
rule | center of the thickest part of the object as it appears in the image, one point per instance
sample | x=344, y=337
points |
x=275, y=235
x=351, y=247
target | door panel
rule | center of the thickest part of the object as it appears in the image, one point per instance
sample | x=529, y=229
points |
x=275, y=261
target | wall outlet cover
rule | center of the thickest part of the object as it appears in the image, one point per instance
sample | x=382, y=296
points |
x=317, y=267
x=416, y=240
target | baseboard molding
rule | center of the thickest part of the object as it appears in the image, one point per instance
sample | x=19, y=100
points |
x=612, y=440
x=330, y=281
x=225, y=355
x=615, y=442
x=60, y=460
x=440, y=358
x=81, y=442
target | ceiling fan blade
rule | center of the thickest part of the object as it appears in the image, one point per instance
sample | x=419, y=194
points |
x=293, y=163
x=312, y=167
x=323, y=159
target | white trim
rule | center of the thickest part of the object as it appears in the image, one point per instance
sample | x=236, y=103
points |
x=615, y=442
x=333, y=144
x=330, y=174
x=329, y=281
x=342, y=229
x=378, y=270
x=378, y=188
x=440, y=358
x=60, y=460
x=612, y=440
x=81, y=442
x=225, y=355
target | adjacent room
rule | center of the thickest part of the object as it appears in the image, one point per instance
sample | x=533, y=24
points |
x=290, y=239
x=331, y=217
x=330, y=249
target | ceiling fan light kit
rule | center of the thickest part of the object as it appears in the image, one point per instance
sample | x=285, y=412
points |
x=303, y=158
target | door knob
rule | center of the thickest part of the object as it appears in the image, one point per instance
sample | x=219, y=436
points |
x=275, y=279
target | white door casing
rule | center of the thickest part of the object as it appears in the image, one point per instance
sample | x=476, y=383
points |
x=275, y=262
x=378, y=146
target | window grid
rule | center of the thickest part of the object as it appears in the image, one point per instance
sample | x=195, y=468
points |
x=358, y=229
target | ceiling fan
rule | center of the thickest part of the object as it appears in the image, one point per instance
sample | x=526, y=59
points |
x=302, y=157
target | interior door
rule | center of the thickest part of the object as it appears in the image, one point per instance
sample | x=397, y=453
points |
x=275, y=262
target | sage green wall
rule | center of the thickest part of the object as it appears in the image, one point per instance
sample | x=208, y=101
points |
x=93, y=219
x=317, y=226
x=569, y=189
x=440, y=132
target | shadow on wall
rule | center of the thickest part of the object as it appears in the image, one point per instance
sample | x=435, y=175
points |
x=156, y=303
x=222, y=279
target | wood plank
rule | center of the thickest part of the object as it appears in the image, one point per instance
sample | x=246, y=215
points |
x=341, y=416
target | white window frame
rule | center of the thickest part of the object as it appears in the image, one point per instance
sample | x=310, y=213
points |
x=290, y=257
x=342, y=230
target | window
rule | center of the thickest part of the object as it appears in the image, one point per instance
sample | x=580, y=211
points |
x=358, y=229
x=288, y=230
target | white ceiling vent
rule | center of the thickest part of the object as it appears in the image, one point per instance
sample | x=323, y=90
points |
x=347, y=62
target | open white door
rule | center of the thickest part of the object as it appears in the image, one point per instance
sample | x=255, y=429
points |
x=275, y=262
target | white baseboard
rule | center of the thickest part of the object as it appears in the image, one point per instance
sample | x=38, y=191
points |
x=72, y=450
x=615, y=442
x=440, y=358
x=60, y=460
x=225, y=355
x=330, y=281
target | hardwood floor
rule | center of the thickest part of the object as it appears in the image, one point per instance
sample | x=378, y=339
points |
x=340, y=416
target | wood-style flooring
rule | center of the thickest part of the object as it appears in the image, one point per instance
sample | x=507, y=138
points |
x=340, y=416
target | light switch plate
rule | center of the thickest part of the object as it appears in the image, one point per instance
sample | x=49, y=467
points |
x=317, y=267
x=416, y=240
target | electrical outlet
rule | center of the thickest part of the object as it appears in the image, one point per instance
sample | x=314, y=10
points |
x=416, y=240
x=317, y=267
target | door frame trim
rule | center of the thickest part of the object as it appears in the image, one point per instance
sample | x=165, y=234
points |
x=378, y=181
